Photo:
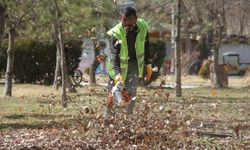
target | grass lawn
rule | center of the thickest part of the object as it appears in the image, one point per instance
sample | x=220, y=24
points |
x=203, y=118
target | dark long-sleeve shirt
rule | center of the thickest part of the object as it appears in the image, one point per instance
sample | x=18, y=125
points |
x=131, y=38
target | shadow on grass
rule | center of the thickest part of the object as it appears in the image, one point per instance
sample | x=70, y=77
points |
x=46, y=101
x=26, y=126
x=15, y=116
x=34, y=115
x=206, y=99
x=97, y=94
x=42, y=121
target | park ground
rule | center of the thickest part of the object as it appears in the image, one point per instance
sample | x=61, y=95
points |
x=203, y=118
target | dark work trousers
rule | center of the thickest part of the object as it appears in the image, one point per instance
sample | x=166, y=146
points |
x=131, y=83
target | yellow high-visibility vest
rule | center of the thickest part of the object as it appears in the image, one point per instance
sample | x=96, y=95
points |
x=119, y=33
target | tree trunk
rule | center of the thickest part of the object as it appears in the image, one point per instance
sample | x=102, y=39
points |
x=209, y=39
x=173, y=35
x=216, y=83
x=2, y=23
x=178, y=91
x=60, y=46
x=63, y=70
x=215, y=68
x=188, y=50
x=10, y=62
x=69, y=82
x=92, y=80
x=58, y=56
x=58, y=70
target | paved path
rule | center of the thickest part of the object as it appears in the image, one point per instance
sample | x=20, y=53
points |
x=187, y=82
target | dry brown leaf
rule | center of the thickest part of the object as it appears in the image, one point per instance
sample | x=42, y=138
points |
x=213, y=92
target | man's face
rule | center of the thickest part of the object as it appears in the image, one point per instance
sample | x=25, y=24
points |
x=128, y=22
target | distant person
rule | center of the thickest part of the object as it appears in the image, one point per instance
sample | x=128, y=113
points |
x=195, y=66
x=129, y=53
x=99, y=57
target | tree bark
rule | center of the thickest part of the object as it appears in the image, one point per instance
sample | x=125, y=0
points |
x=216, y=83
x=58, y=57
x=10, y=62
x=2, y=22
x=60, y=46
x=63, y=70
x=57, y=71
x=69, y=83
x=92, y=81
x=173, y=35
x=178, y=91
x=56, y=28
x=220, y=29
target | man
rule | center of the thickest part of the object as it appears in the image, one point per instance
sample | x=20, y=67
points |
x=129, y=54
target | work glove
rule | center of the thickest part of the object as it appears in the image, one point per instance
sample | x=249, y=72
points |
x=100, y=58
x=118, y=78
x=148, y=72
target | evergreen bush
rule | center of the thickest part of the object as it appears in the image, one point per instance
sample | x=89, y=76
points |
x=157, y=55
x=35, y=60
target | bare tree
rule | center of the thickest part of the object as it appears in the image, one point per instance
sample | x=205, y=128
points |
x=57, y=29
x=60, y=49
x=216, y=10
x=17, y=14
x=178, y=91
x=238, y=17
x=187, y=18
x=10, y=61
x=213, y=24
x=58, y=70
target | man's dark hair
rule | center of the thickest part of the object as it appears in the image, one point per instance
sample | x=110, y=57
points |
x=129, y=11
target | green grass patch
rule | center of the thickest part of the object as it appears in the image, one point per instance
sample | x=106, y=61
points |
x=160, y=118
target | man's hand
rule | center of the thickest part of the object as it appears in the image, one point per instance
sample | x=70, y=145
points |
x=100, y=58
x=148, y=72
x=118, y=78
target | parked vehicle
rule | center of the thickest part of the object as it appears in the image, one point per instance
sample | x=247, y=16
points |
x=238, y=55
x=232, y=60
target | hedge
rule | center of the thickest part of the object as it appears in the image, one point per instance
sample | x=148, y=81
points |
x=157, y=55
x=35, y=60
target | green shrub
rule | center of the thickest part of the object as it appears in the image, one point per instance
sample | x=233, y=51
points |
x=204, y=71
x=2, y=60
x=157, y=52
x=73, y=51
x=157, y=55
x=35, y=60
x=32, y=61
